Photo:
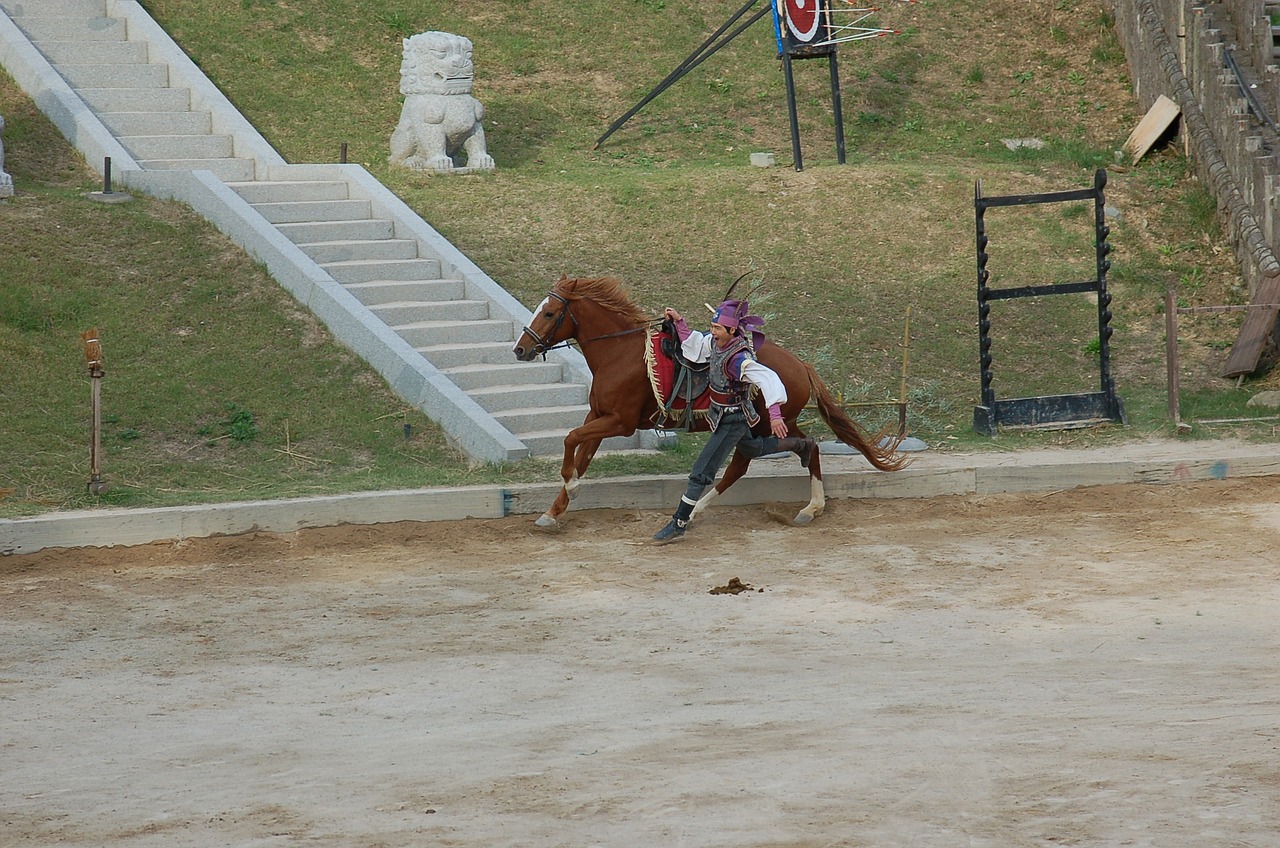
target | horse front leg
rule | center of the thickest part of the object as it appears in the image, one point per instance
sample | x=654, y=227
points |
x=580, y=447
x=578, y=452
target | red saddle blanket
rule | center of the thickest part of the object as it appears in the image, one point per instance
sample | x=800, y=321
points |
x=672, y=385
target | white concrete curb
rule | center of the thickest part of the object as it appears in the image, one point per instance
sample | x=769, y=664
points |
x=770, y=481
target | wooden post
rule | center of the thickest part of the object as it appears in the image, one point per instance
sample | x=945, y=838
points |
x=1171, y=356
x=93, y=355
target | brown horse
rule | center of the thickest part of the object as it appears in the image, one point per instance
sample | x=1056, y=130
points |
x=612, y=333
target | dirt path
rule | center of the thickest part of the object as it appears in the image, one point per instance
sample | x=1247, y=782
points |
x=1094, y=667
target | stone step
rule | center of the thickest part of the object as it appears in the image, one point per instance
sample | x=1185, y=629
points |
x=495, y=399
x=400, y=291
x=78, y=8
x=479, y=375
x=95, y=52
x=136, y=100
x=551, y=442
x=224, y=169
x=310, y=232
x=426, y=334
x=69, y=27
x=315, y=210
x=528, y=420
x=404, y=313
x=389, y=269
x=360, y=249
x=115, y=76
x=459, y=355
x=179, y=146
x=291, y=191
x=157, y=123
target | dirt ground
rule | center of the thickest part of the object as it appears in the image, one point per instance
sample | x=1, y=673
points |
x=1094, y=667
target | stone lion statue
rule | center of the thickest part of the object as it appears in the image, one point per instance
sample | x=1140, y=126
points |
x=440, y=118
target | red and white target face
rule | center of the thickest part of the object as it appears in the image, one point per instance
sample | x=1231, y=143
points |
x=802, y=18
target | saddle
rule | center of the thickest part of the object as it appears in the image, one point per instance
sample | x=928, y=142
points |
x=682, y=388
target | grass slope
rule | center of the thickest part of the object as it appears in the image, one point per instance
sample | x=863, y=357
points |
x=200, y=343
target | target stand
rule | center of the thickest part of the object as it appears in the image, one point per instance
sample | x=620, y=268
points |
x=804, y=29
x=1054, y=411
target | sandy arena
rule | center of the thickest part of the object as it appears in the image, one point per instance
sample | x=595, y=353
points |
x=1095, y=667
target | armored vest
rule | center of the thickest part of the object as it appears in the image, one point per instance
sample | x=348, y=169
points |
x=728, y=393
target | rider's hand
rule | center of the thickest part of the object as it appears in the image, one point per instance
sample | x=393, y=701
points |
x=672, y=314
x=778, y=427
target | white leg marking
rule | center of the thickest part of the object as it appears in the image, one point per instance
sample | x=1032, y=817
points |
x=571, y=485
x=817, y=502
x=703, y=503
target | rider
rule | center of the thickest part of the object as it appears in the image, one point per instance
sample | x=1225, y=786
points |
x=732, y=367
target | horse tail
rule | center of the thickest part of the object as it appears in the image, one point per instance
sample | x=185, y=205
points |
x=883, y=458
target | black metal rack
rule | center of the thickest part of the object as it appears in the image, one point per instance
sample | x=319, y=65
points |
x=1059, y=411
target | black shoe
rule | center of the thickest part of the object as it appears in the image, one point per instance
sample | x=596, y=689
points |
x=674, y=530
x=806, y=452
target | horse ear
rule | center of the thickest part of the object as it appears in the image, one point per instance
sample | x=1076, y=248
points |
x=563, y=277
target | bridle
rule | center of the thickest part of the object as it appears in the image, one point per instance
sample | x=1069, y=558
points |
x=541, y=346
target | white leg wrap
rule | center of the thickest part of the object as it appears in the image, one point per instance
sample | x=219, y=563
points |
x=703, y=502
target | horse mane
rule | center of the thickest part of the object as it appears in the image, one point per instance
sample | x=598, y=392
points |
x=606, y=291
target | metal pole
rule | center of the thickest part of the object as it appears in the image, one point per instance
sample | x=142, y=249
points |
x=835, y=107
x=791, y=111
x=342, y=159
x=93, y=354
x=692, y=61
x=106, y=175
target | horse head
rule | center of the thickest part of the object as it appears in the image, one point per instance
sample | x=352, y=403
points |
x=552, y=324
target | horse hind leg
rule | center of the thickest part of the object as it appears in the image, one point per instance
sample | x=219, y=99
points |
x=737, y=467
x=817, y=493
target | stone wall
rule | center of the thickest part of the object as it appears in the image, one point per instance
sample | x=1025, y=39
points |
x=1178, y=48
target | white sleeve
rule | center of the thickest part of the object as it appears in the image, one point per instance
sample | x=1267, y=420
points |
x=697, y=347
x=766, y=379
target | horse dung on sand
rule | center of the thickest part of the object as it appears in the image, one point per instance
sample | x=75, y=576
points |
x=613, y=335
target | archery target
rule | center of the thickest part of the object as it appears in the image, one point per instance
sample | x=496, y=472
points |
x=802, y=17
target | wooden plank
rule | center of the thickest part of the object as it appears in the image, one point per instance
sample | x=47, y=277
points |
x=1209, y=468
x=1255, y=329
x=1153, y=124
x=1053, y=477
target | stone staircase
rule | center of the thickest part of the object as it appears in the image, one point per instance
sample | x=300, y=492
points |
x=381, y=278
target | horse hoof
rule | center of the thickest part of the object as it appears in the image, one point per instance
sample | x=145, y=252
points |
x=546, y=522
x=804, y=518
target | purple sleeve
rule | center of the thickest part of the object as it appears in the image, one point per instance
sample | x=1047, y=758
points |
x=682, y=329
x=735, y=367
